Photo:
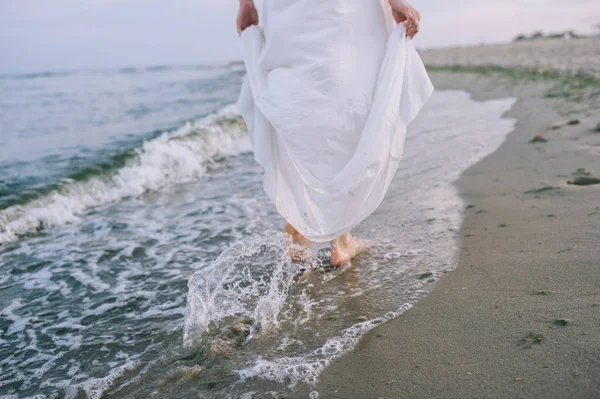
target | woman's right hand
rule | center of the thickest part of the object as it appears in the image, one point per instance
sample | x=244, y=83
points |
x=404, y=12
x=247, y=15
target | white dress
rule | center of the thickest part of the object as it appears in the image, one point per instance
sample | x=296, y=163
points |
x=331, y=87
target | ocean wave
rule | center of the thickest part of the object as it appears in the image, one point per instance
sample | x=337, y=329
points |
x=39, y=75
x=232, y=65
x=178, y=156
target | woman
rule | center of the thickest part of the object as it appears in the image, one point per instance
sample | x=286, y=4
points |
x=331, y=86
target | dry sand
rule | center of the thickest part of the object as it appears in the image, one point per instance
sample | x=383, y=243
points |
x=574, y=57
x=489, y=329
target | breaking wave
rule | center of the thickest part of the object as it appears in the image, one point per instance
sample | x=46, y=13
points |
x=178, y=156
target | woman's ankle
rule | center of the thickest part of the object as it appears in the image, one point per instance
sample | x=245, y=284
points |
x=296, y=236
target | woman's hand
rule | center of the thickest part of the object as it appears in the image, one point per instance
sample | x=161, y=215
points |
x=404, y=12
x=247, y=15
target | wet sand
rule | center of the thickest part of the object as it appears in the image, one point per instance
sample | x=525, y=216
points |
x=520, y=316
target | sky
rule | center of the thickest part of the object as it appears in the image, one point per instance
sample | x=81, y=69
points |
x=38, y=35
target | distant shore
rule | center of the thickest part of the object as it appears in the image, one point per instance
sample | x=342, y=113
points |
x=572, y=57
x=518, y=317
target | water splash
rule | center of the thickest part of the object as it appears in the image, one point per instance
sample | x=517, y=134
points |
x=249, y=279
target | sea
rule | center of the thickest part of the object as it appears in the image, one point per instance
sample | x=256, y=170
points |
x=140, y=258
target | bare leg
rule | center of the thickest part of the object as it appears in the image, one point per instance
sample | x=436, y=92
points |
x=297, y=238
x=344, y=248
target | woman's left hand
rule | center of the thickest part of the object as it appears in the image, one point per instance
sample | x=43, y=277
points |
x=404, y=12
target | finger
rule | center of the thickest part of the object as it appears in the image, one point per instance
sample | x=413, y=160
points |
x=238, y=25
x=413, y=27
x=417, y=15
x=414, y=16
x=253, y=20
x=244, y=24
x=413, y=31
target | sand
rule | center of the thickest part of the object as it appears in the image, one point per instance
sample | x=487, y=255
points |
x=520, y=316
x=573, y=57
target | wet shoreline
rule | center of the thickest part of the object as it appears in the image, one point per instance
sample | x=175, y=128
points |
x=518, y=317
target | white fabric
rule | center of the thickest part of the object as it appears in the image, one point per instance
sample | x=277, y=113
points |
x=331, y=87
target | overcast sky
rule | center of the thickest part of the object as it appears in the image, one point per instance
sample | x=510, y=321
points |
x=38, y=35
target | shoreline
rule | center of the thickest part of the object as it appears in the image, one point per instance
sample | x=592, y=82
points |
x=574, y=57
x=518, y=317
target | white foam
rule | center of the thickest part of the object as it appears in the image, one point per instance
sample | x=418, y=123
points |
x=19, y=323
x=174, y=157
x=291, y=370
x=234, y=286
x=95, y=387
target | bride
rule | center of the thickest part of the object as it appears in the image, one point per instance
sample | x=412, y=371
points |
x=331, y=87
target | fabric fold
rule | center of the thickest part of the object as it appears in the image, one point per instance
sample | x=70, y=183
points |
x=330, y=152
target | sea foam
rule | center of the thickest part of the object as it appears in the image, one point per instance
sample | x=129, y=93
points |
x=174, y=157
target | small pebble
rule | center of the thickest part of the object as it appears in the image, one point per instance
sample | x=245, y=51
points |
x=538, y=139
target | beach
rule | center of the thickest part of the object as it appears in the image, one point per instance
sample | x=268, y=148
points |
x=143, y=259
x=140, y=256
x=570, y=57
x=519, y=316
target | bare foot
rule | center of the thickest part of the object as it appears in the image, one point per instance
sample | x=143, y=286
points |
x=301, y=250
x=345, y=248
